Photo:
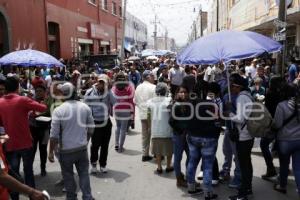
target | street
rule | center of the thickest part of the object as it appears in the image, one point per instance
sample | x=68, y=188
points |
x=131, y=179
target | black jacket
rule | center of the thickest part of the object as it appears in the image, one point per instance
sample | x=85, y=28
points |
x=199, y=127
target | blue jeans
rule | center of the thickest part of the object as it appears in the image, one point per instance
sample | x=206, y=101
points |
x=122, y=119
x=179, y=146
x=288, y=149
x=227, y=152
x=14, y=159
x=265, y=149
x=205, y=148
x=81, y=162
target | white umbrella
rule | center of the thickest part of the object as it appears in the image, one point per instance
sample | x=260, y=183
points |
x=133, y=58
x=152, y=58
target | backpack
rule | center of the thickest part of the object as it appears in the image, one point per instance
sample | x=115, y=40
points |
x=259, y=123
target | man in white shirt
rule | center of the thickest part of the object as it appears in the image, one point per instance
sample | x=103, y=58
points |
x=143, y=93
x=176, y=75
x=209, y=75
x=155, y=71
x=251, y=70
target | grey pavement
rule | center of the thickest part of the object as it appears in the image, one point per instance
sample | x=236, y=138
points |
x=131, y=179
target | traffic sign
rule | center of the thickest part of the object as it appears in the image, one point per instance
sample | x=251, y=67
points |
x=279, y=36
x=280, y=24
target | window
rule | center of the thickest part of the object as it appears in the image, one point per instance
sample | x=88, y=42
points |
x=104, y=5
x=120, y=11
x=92, y=2
x=114, y=8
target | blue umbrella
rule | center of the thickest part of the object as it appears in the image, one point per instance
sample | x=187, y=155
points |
x=226, y=46
x=30, y=57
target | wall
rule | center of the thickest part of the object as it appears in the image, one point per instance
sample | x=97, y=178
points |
x=26, y=23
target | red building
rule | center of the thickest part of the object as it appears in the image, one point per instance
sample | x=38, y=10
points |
x=64, y=28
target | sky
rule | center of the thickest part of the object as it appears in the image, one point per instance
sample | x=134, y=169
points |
x=176, y=16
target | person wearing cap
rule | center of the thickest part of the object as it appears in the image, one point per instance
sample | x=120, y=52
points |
x=72, y=126
x=143, y=93
x=161, y=131
x=176, y=75
x=15, y=108
x=100, y=99
x=244, y=143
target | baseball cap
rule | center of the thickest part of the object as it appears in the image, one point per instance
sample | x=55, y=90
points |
x=147, y=73
x=103, y=77
x=66, y=89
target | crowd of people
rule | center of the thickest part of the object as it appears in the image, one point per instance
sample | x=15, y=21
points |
x=182, y=109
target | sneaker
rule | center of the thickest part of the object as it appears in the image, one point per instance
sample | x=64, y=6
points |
x=235, y=183
x=43, y=172
x=59, y=182
x=197, y=191
x=63, y=190
x=200, y=176
x=210, y=196
x=146, y=158
x=103, y=170
x=121, y=150
x=169, y=170
x=117, y=147
x=224, y=175
x=269, y=174
x=215, y=182
x=238, y=197
x=94, y=170
x=193, y=190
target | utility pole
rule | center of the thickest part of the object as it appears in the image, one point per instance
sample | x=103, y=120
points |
x=218, y=15
x=195, y=29
x=201, y=21
x=166, y=39
x=155, y=32
x=123, y=34
x=281, y=59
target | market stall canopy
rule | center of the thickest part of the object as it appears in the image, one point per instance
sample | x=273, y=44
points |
x=152, y=58
x=133, y=58
x=148, y=52
x=30, y=57
x=226, y=46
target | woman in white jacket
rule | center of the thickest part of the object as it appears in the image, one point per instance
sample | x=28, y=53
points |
x=161, y=132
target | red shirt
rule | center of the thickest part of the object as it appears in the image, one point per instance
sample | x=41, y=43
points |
x=4, y=195
x=14, y=118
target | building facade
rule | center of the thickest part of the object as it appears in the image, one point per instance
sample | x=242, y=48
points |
x=166, y=43
x=61, y=27
x=258, y=16
x=199, y=26
x=136, y=34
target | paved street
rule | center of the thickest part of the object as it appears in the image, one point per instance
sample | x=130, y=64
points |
x=131, y=179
